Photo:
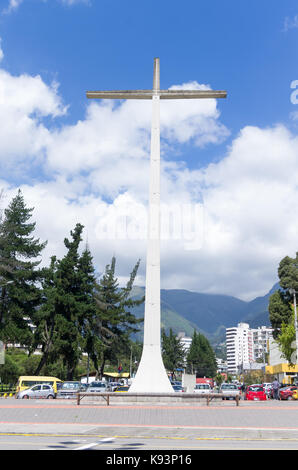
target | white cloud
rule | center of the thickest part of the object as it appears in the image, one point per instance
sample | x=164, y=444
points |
x=24, y=102
x=13, y=5
x=101, y=164
x=121, y=134
x=250, y=199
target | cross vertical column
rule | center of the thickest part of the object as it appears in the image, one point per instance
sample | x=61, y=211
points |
x=151, y=369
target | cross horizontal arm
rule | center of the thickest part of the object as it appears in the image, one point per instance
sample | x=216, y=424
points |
x=191, y=94
x=163, y=94
x=121, y=94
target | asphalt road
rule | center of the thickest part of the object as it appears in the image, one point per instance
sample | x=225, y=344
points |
x=140, y=444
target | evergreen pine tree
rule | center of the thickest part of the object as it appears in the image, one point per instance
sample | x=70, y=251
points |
x=172, y=352
x=45, y=316
x=201, y=359
x=63, y=318
x=114, y=320
x=19, y=272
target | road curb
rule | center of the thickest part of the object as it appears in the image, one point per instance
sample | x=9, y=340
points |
x=176, y=432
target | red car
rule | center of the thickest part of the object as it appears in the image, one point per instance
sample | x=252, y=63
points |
x=287, y=392
x=255, y=392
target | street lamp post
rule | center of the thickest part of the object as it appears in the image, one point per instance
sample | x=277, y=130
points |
x=293, y=292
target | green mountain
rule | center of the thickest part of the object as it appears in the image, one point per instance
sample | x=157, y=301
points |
x=211, y=314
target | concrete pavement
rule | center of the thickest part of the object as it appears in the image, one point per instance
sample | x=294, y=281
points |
x=251, y=420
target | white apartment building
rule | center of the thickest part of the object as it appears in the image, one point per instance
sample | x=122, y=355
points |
x=261, y=337
x=246, y=345
x=185, y=341
x=239, y=342
x=222, y=366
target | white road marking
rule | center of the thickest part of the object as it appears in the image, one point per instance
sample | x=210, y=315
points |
x=87, y=446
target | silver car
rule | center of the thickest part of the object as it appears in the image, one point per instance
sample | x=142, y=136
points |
x=230, y=390
x=97, y=387
x=69, y=389
x=37, y=391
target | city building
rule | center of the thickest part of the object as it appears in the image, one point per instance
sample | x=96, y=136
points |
x=260, y=338
x=278, y=366
x=247, y=347
x=185, y=341
x=222, y=366
x=239, y=342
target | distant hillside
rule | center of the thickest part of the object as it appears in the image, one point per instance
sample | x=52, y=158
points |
x=183, y=310
x=257, y=310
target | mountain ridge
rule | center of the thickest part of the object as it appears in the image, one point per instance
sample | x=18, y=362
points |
x=186, y=311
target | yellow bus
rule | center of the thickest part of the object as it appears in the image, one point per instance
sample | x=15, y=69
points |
x=26, y=381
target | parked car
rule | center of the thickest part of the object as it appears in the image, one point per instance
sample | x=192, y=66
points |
x=178, y=388
x=97, y=387
x=69, y=389
x=202, y=389
x=230, y=390
x=37, y=391
x=83, y=386
x=255, y=392
x=122, y=388
x=176, y=382
x=267, y=387
x=286, y=393
x=113, y=385
x=27, y=381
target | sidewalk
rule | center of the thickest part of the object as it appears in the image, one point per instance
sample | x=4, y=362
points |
x=250, y=420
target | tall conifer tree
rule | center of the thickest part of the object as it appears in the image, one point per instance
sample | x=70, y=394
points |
x=65, y=318
x=68, y=305
x=114, y=320
x=201, y=359
x=21, y=277
x=172, y=352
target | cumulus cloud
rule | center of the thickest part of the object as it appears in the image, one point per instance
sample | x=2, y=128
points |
x=24, y=102
x=250, y=199
x=98, y=169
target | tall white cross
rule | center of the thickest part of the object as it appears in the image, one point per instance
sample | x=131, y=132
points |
x=151, y=375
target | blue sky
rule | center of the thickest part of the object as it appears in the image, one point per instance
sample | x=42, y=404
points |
x=75, y=160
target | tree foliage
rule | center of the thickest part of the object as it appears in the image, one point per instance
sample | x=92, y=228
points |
x=19, y=273
x=113, y=321
x=172, y=352
x=62, y=308
x=281, y=309
x=64, y=317
x=201, y=359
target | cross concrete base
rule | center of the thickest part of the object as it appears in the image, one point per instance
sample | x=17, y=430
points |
x=151, y=376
